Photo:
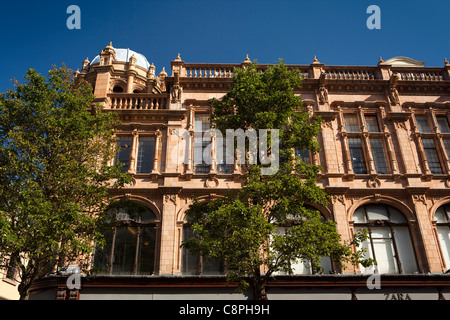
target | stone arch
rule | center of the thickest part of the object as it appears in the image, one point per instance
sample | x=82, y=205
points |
x=436, y=205
x=399, y=205
x=118, y=84
x=181, y=214
x=137, y=88
x=144, y=201
x=326, y=212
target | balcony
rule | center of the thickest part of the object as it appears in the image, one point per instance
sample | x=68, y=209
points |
x=136, y=101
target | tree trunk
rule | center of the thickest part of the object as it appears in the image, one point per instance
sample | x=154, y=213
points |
x=24, y=290
x=259, y=291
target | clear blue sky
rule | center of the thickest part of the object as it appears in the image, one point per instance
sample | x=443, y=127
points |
x=34, y=33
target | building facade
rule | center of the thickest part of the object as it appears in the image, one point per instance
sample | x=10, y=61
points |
x=386, y=165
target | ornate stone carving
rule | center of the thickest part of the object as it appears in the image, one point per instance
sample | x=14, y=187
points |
x=374, y=183
x=170, y=198
x=212, y=182
x=338, y=197
x=419, y=198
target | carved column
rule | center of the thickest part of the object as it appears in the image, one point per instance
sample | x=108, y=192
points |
x=345, y=147
x=168, y=234
x=427, y=254
x=133, y=155
x=366, y=142
x=155, y=169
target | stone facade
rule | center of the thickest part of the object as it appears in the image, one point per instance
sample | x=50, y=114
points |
x=376, y=147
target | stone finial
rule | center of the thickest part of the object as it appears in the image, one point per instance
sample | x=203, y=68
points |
x=315, y=61
x=151, y=69
x=178, y=58
x=133, y=60
x=381, y=61
x=85, y=63
x=247, y=58
x=163, y=73
x=446, y=62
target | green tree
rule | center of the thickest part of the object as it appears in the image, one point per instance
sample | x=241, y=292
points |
x=55, y=145
x=243, y=228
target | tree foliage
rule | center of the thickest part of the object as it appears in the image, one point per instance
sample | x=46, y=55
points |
x=55, y=145
x=243, y=228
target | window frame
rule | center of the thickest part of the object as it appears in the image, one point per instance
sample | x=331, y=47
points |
x=438, y=224
x=389, y=225
x=365, y=136
x=438, y=138
x=126, y=223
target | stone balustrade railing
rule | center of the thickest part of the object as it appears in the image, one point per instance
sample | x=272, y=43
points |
x=421, y=75
x=145, y=101
x=201, y=70
x=338, y=73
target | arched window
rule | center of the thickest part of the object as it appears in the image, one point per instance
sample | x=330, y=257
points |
x=442, y=217
x=304, y=267
x=117, y=89
x=130, y=243
x=389, y=242
x=198, y=265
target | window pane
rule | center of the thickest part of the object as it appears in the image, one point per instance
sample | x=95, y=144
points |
x=384, y=253
x=379, y=156
x=443, y=124
x=372, y=123
x=124, y=250
x=123, y=154
x=405, y=250
x=202, y=144
x=146, y=150
x=359, y=216
x=190, y=262
x=357, y=156
x=444, y=240
x=303, y=155
x=368, y=252
x=432, y=156
x=103, y=255
x=146, y=255
x=212, y=266
x=221, y=156
x=384, y=250
x=396, y=216
x=201, y=122
x=422, y=124
x=376, y=212
x=351, y=123
x=440, y=215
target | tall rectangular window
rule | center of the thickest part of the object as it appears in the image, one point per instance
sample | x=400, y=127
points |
x=379, y=156
x=443, y=124
x=221, y=156
x=422, y=124
x=202, y=159
x=351, y=123
x=357, y=156
x=123, y=154
x=145, y=154
x=372, y=123
x=432, y=156
x=304, y=155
